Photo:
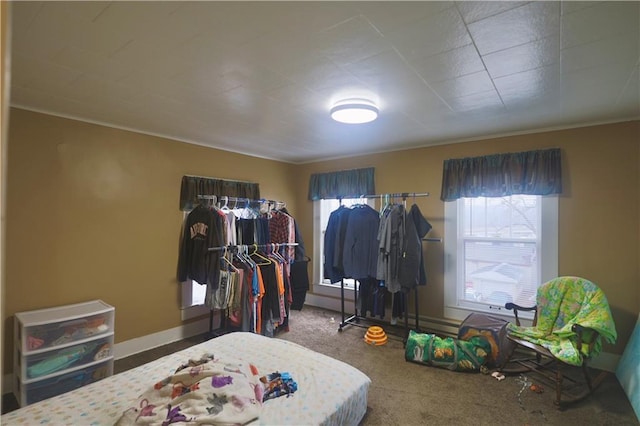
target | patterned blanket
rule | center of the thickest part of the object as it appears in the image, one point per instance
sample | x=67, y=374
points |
x=204, y=391
x=563, y=302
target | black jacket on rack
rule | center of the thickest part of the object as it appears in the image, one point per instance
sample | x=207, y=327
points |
x=202, y=229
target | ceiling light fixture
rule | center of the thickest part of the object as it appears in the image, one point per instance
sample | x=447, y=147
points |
x=354, y=111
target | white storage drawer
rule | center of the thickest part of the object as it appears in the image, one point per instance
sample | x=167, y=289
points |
x=62, y=348
x=72, y=323
x=49, y=363
x=43, y=389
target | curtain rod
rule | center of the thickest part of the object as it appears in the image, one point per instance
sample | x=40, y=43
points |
x=215, y=178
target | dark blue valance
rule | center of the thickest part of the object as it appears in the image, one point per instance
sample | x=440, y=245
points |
x=343, y=184
x=531, y=172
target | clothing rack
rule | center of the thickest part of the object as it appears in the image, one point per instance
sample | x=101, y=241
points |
x=355, y=318
x=274, y=246
x=247, y=201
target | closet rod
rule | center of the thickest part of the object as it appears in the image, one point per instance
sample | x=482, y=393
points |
x=397, y=194
x=256, y=246
x=236, y=199
x=435, y=240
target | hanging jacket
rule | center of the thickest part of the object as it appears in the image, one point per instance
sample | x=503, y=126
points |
x=360, y=253
x=411, y=262
x=201, y=231
x=332, y=270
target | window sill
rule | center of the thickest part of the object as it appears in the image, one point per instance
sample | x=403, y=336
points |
x=332, y=290
x=460, y=313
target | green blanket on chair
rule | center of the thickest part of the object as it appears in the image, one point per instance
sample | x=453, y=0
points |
x=562, y=303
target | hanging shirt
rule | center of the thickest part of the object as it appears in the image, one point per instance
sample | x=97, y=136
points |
x=422, y=227
x=390, y=244
x=331, y=271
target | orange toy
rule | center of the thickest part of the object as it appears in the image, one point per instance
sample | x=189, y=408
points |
x=375, y=336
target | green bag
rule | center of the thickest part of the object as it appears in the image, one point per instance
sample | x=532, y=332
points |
x=453, y=354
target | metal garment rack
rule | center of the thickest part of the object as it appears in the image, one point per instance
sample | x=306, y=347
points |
x=355, y=318
x=247, y=201
x=275, y=246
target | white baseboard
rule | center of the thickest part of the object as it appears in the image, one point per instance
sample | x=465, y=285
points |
x=150, y=341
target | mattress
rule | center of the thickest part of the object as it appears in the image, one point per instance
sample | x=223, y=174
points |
x=330, y=392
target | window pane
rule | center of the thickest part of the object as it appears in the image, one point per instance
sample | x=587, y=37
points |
x=506, y=217
x=497, y=272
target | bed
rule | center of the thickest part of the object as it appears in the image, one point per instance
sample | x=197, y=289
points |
x=329, y=392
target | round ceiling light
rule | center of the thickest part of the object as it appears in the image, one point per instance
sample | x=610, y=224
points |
x=354, y=111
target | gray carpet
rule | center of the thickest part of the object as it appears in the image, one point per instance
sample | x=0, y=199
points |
x=404, y=393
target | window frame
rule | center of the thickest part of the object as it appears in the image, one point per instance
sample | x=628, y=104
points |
x=548, y=259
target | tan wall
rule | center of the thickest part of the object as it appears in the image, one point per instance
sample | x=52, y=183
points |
x=93, y=213
x=598, y=211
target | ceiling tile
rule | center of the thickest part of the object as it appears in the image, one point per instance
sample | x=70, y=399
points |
x=523, y=87
x=629, y=97
x=51, y=78
x=567, y=7
x=350, y=41
x=525, y=57
x=22, y=17
x=463, y=86
x=135, y=18
x=431, y=35
x=533, y=21
x=603, y=20
x=488, y=101
x=389, y=16
x=449, y=64
x=472, y=11
x=622, y=49
x=78, y=59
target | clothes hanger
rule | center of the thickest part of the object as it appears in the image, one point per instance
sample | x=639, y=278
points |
x=276, y=254
x=229, y=263
x=258, y=255
x=225, y=207
x=244, y=256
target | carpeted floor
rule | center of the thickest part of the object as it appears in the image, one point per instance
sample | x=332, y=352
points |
x=404, y=393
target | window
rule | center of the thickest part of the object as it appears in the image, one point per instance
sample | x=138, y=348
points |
x=193, y=293
x=498, y=250
x=322, y=211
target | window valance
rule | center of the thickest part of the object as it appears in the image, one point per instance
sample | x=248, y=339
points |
x=342, y=184
x=531, y=172
x=192, y=186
